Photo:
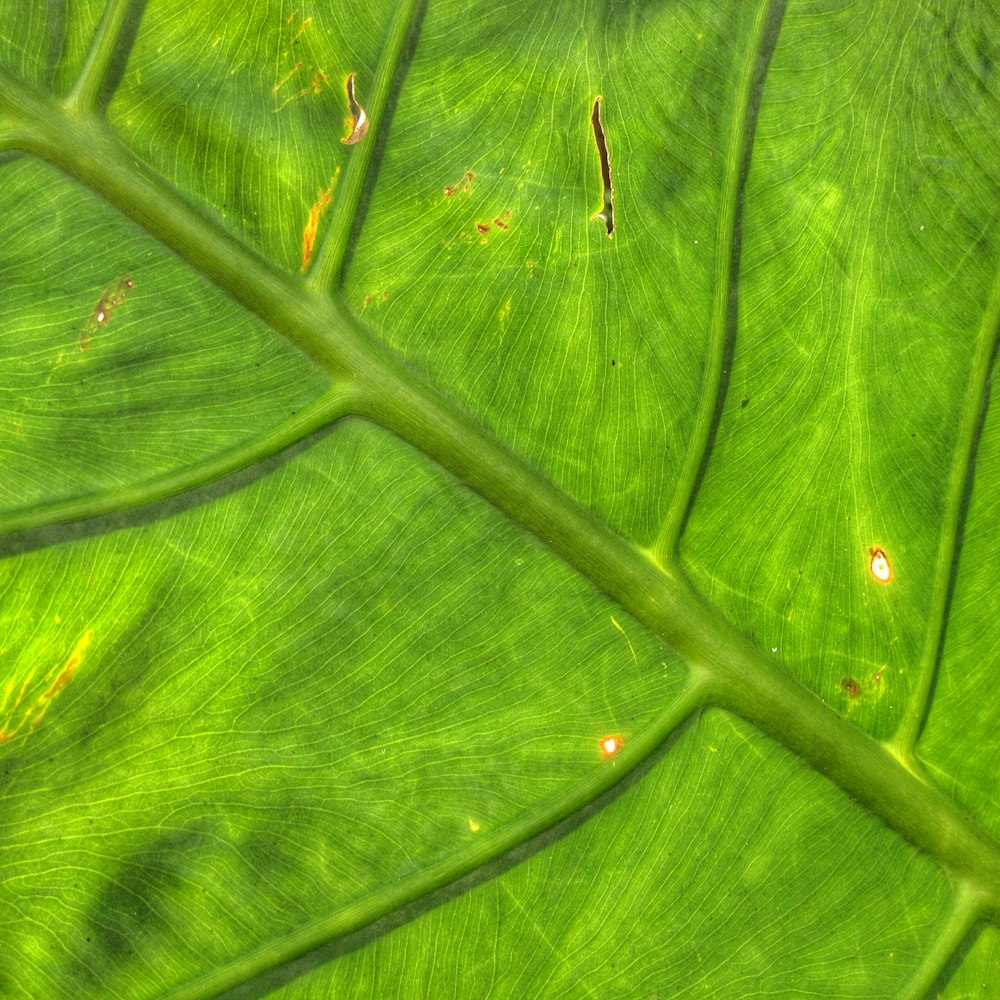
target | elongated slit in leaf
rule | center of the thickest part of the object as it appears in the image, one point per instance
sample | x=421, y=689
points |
x=357, y=113
x=607, y=212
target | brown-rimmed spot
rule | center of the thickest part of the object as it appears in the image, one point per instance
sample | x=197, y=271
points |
x=851, y=686
x=360, y=119
x=607, y=212
x=482, y=228
x=879, y=565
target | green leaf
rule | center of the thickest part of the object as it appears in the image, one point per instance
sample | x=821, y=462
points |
x=412, y=588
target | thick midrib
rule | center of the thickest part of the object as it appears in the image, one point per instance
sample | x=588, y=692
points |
x=726, y=669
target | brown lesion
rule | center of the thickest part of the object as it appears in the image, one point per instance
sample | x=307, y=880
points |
x=465, y=184
x=109, y=301
x=851, y=686
x=607, y=213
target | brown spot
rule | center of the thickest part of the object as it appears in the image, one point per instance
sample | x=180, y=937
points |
x=482, y=227
x=500, y=223
x=851, y=686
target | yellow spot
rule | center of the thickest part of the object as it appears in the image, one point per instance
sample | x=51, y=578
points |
x=610, y=745
x=879, y=566
x=473, y=825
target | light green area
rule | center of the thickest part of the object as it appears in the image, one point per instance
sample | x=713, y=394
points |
x=679, y=864
x=390, y=546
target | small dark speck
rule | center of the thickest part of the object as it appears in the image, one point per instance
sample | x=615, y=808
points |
x=743, y=404
x=613, y=362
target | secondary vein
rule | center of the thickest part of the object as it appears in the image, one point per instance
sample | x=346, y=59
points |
x=327, y=271
x=87, y=89
x=665, y=548
x=959, y=488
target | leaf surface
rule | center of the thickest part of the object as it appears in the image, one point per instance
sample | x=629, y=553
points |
x=356, y=495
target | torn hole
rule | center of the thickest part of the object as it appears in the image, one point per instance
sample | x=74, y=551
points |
x=360, y=126
x=607, y=213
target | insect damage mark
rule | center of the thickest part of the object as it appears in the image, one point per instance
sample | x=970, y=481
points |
x=607, y=213
x=109, y=301
x=360, y=119
x=312, y=223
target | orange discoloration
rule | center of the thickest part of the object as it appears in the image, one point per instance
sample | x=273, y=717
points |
x=65, y=676
x=305, y=24
x=610, y=745
x=312, y=223
x=372, y=297
x=305, y=77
